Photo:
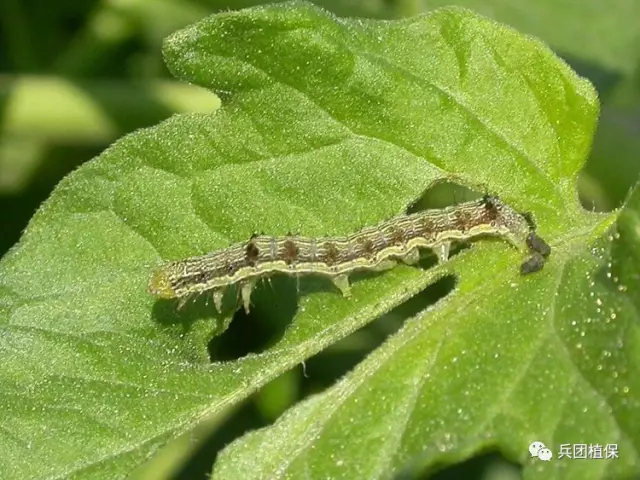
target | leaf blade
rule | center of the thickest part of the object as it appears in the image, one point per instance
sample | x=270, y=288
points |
x=197, y=182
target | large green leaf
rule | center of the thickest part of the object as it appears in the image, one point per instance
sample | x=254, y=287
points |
x=327, y=125
x=496, y=366
x=610, y=43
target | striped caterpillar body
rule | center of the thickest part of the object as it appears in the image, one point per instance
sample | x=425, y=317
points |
x=373, y=248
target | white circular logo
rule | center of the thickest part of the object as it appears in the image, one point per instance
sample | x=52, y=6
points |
x=539, y=449
x=535, y=447
x=545, y=454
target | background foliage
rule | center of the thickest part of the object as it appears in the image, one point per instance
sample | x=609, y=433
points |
x=77, y=75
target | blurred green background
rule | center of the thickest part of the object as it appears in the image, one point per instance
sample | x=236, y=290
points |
x=75, y=75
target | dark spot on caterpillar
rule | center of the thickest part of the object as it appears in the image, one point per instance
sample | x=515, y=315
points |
x=331, y=254
x=291, y=251
x=426, y=224
x=397, y=237
x=491, y=210
x=427, y=229
x=529, y=219
x=489, y=201
x=462, y=220
x=368, y=248
x=252, y=252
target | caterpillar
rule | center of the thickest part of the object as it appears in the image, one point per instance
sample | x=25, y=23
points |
x=375, y=248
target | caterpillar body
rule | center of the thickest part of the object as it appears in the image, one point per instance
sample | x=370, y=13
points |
x=372, y=248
